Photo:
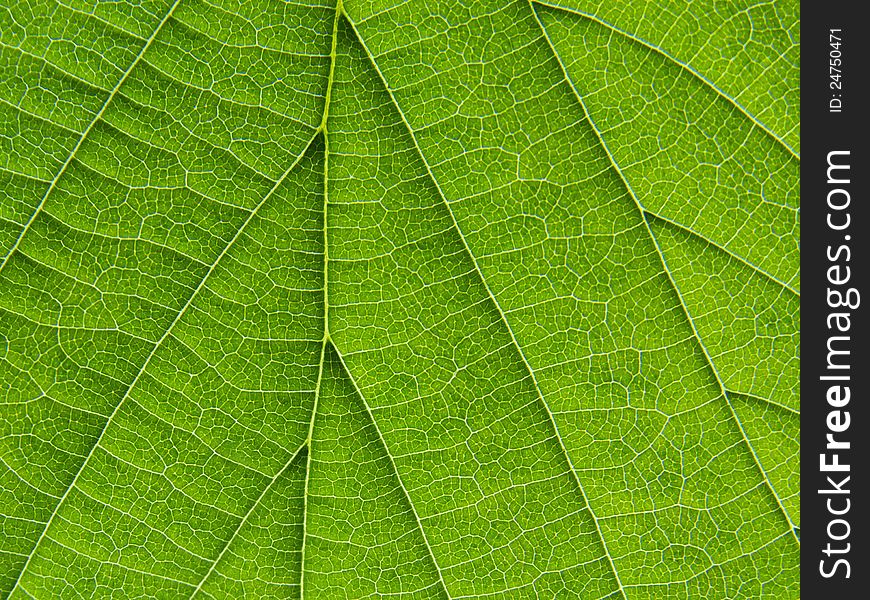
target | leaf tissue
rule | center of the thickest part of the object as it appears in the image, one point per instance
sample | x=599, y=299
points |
x=412, y=299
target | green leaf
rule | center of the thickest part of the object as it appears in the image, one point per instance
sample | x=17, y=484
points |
x=414, y=299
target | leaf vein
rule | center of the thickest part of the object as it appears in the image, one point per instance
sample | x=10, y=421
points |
x=677, y=62
x=144, y=366
x=644, y=216
x=495, y=303
x=97, y=117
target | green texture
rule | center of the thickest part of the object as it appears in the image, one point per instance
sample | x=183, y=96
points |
x=413, y=299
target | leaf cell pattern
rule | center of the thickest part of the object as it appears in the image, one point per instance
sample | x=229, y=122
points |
x=399, y=299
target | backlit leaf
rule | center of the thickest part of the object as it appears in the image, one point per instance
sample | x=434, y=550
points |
x=399, y=299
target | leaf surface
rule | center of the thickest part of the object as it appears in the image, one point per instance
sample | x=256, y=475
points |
x=427, y=300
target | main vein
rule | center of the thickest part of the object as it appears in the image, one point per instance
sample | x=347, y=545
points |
x=306, y=444
x=333, y=54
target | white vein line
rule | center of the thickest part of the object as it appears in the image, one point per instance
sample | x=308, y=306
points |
x=667, y=271
x=87, y=130
x=774, y=404
x=737, y=257
x=150, y=356
x=113, y=26
x=245, y=519
x=504, y=319
x=393, y=464
x=42, y=120
x=724, y=391
x=103, y=562
x=58, y=68
x=677, y=62
x=25, y=482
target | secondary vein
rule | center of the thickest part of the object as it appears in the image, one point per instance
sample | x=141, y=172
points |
x=144, y=366
x=53, y=184
x=503, y=316
x=245, y=518
x=395, y=470
x=667, y=271
x=743, y=110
